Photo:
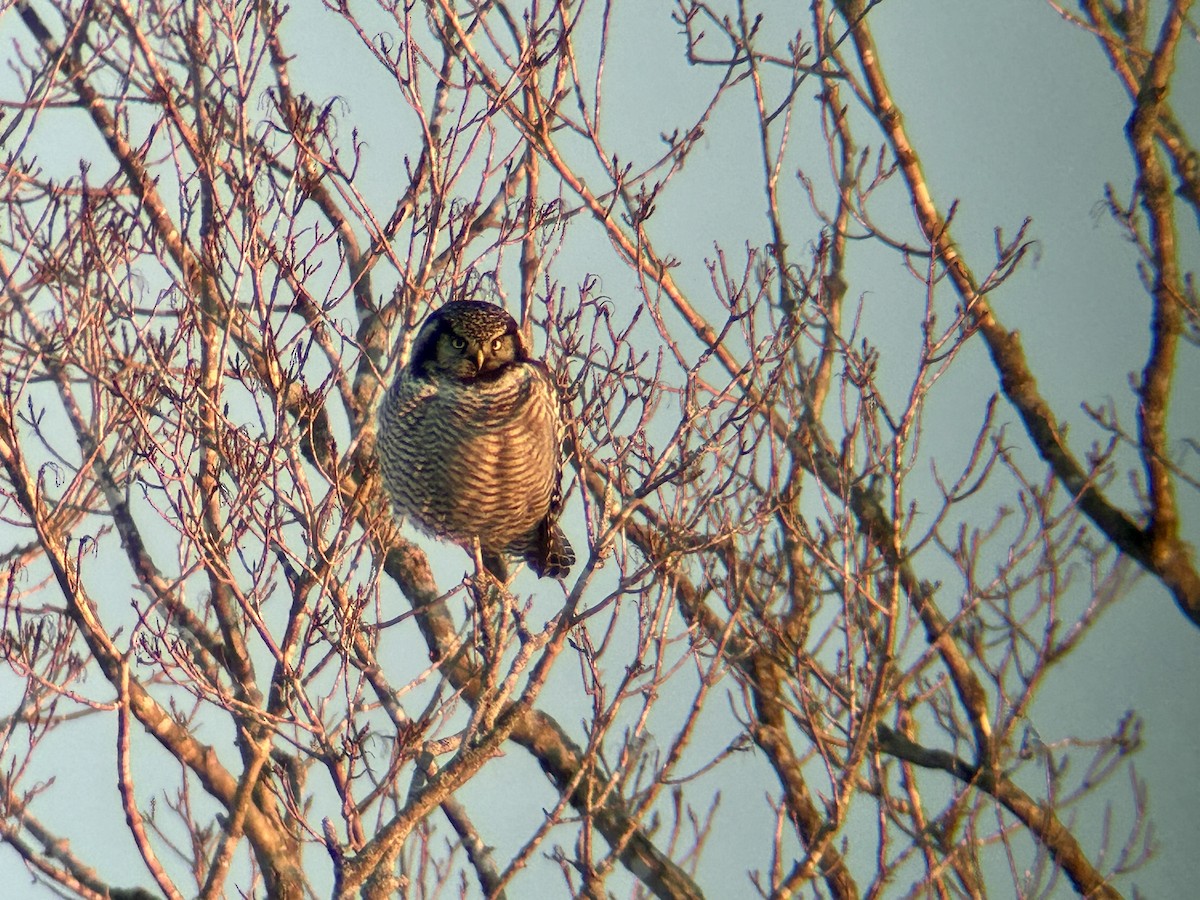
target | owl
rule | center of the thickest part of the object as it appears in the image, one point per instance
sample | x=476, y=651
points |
x=470, y=440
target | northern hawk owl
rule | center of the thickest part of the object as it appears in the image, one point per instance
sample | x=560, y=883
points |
x=469, y=440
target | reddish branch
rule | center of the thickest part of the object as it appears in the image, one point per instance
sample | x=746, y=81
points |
x=1037, y=817
x=762, y=648
x=1157, y=545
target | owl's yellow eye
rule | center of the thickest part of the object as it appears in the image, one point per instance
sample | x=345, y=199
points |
x=458, y=343
x=497, y=343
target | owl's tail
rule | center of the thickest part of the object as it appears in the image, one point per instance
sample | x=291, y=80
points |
x=551, y=555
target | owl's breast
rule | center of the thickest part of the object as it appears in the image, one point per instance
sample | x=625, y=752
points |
x=472, y=459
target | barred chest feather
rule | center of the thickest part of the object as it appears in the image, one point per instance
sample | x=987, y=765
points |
x=474, y=459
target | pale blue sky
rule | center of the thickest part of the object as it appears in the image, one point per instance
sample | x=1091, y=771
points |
x=1015, y=114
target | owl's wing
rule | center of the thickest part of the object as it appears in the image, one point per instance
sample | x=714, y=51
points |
x=560, y=417
x=407, y=395
x=552, y=554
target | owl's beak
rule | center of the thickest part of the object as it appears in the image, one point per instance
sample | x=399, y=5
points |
x=479, y=354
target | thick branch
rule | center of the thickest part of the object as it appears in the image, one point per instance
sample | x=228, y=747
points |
x=1158, y=548
x=1037, y=817
x=538, y=733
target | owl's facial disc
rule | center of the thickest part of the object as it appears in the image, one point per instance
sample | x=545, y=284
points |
x=466, y=340
x=493, y=354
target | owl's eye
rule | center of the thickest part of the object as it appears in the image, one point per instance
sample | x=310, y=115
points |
x=497, y=343
x=458, y=343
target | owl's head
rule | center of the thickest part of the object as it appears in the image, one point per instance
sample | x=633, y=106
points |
x=467, y=339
